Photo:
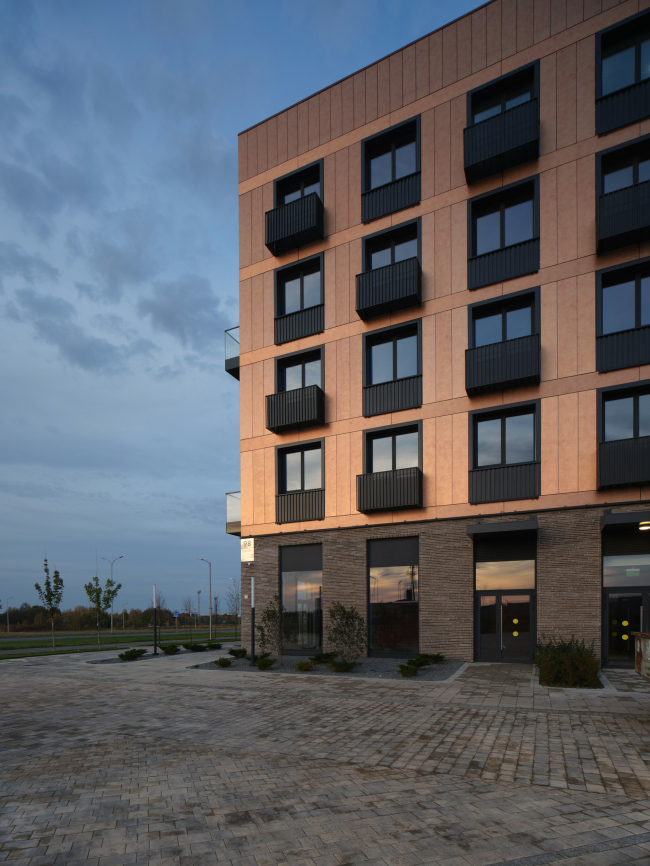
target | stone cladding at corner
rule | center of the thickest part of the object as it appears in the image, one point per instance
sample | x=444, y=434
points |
x=568, y=575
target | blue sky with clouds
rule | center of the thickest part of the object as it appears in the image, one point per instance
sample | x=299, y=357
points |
x=118, y=266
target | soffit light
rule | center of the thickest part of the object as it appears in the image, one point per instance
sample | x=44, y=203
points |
x=645, y=524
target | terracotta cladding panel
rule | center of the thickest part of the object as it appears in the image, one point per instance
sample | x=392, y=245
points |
x=541, y=20
x=371, y=93
x=464, y=40
x=508, y=28
x=347, y=105
x=558, y=16
x=435, y=61
x=408, y=75
x=525, y=24
x=292, y=133
x=449, y=55
x=314, y=122
x=422, y=68
x=262, y=148
x=242, y=156
x=493, y=12
x=324, y=116
x=383, y=88
x=359, y=99
x=479, y=39
x=395, y=79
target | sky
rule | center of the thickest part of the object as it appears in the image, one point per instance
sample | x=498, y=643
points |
x=118, y=268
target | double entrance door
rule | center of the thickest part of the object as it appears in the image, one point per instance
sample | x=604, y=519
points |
x=625, y=611
x=505, y=626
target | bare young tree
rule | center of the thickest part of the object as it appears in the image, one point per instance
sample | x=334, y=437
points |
x=161, y=601
x=50, y=595
x=186, y=608
x=233, y=603
x=101, y=599
x=215, y=606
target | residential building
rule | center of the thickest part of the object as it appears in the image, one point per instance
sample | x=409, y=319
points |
x=444, y=340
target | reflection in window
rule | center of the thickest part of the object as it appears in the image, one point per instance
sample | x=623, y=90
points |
x=300, y=469
x=627, y=417
x=624, y=172
x=502, y=224
x=505, y=440
x=509, y=96
x=393, y=594
x=626, y=305
x=299, y=289
x=631, y=570
x=393, y=451
x=505, y=575
x=302, y=621
x=619, y=62
x=395, y=357
x=507, y=324
x=392, y=161
x=300, y=374
x=298, y=186
x=392, y=248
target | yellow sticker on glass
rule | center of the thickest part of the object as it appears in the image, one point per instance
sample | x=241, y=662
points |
x=515, y=621
x=515, y=634
x=625, y=622
x=623, y=637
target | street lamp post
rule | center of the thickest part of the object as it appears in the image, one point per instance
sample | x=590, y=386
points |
x=198, y=595
x=8, y=600
x=200, y=559
x=111, y=562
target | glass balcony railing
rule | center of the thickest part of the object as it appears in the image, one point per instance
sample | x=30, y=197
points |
x=233, y=513
x=232, y=351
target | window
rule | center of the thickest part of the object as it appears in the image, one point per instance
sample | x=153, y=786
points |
x=511, y=92
x=300, y=468
x=505, y=439
x=505, y=222
x=625, y=58
x=390, y=179
x=299, y=371
x=393, y=595
x=624, y=171
x=387, y=451
x=298, y=185
x=393, y=356
x=625, y=301
x=626, y=417
x=299, y=288
x=388, y=248
x=301, y=586
x=504, y=321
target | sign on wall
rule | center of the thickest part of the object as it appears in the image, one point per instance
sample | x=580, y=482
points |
x=248, y=550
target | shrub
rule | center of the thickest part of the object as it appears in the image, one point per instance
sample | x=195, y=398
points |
x=347, y=631
x=194, y=647
x=211, y=645
x=270, y=628
x=223, y=662
x=567, y=663
x=131, y=655
x=305, y=666
x=170, y=649
x=409, y=670
x=237, y=653
x=264, y=663
x=423, y=660
x=322, y=658
x=343, y=666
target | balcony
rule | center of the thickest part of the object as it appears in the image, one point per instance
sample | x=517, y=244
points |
x=510, y=364
x=502, y=141
x=300, y=506
x=505, y=483
x=392, y=396
x=232, y=351
x=391, y=197
x=303, y=323
x=624, y=463
x=623, y=349
x=295, y=224
x=388, y=289
x=624, y=217
x=386, y=491
x=505, y=264
x=233, y=513
x=623, y=107
x=293, y=410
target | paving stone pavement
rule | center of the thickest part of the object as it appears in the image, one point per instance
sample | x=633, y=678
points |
x=162, y=763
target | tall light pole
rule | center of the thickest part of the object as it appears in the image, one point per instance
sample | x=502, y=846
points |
x=111, y=562
x=200, y=559
x=8, y=600
x=198, y=595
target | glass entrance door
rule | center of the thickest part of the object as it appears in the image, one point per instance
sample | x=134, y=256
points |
x=504, y=631
x=625, y=612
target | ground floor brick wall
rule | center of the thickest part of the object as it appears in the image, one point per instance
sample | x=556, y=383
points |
x=569, y=575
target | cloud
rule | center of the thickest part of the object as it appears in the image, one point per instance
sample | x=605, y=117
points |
x=111, y=101
x=204, y=162
x=12, y=111
x=188, y=310
x=15, y=262
x=31, y=197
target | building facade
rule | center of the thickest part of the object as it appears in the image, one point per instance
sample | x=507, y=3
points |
x=443, y=350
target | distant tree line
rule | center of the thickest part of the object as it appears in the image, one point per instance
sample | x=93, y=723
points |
x=34, y=617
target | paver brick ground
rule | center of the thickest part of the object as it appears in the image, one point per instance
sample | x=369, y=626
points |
x=161, y=763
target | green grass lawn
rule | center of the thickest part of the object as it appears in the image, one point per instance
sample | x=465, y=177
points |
x=108, y=640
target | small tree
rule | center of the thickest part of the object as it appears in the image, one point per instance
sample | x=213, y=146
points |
x=269, y=629
x=101, y=599
x=233, y=601
x=50, y=595
x=346, y=631
x=215, y=607
x=186, y=607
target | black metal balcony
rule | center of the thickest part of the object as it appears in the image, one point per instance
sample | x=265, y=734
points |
x=501, y=265
x=304, y=323
x=385, y=491
x=624, y=217
x=293, y=410
x=623, y=349
x=510, y=364
x=232, y=351
x=391, y=197
x=502, y=141
x=505, y=483
x=295, y=224
x=392, y=396
x=624, y=463
x=623, y=107
x=303, y=505
x=388, y=289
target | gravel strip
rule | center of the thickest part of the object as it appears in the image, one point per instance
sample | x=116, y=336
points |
x=379, y=668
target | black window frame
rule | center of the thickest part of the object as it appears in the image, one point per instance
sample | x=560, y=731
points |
x=627, y=272
x=281, y=275
x=390, y=430
x=504, y=195
x=281, y=362
x=500, y=84
x=371, y=338
x=373, y=144
x=629, y=389
x=279, y=182
x=501, y=304
x=628, y=27
x=394, y=232
x=628, y=154
x=503, y=412
x=280, y=470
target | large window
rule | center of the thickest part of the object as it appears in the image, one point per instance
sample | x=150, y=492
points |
x=391, y=247
x=301, y=581
x=393, y=595
x=300, y=468
x=394, y=355
x=298, y=185
x=503, y=320
x=623, y=170
x=505, y=439
x=625, y=57
x=503, y=221
x=299, y=371
x=626, y=417
x=391, y=156
x=387, y=451
x=497, y=99
x=299, y=287
x=625, y=301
